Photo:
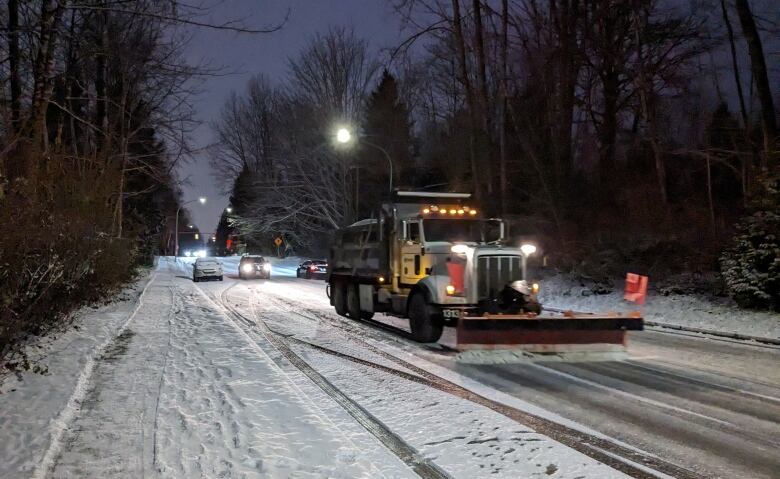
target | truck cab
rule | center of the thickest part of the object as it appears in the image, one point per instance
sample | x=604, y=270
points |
x=431, y=257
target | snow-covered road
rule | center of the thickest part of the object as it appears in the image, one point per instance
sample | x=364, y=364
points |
x=261, y=379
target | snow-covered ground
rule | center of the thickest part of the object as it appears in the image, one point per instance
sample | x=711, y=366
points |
x=680, y=309
x=171, y=385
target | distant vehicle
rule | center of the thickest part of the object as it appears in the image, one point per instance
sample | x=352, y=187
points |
x=314, y=268
x=206, y=268
x=254, y=266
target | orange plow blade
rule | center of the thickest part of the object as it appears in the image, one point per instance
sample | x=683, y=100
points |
x=567, y=331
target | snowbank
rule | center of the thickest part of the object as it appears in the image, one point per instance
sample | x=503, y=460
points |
x=692, y=311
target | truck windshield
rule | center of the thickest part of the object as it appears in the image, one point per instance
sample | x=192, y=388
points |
x=462, y=230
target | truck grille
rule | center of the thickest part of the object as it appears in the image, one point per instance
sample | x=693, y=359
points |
x=494, y=272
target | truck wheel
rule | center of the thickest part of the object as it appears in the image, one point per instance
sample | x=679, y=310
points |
x=353, y=301
x=339, y=298
x=423, y=328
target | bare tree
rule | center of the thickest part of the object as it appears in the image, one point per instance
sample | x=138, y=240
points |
x=761, y=79
x=276, y=145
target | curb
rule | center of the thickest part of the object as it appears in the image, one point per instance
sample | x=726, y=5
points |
x=741, y=337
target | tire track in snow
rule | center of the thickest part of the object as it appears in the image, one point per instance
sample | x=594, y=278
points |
x=622, y=458
x=68, y=413
x=405, y=452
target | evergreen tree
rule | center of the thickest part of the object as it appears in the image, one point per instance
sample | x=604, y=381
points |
x=751, y=266
x=387, y=126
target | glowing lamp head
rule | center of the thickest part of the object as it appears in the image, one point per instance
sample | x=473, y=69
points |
x=528, y=249
x=426, y=211
x=473, y=212
x=343, y=135
x=202, y=200
x=535, y=288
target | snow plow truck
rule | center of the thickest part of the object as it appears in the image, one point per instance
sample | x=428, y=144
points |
x=435, y=259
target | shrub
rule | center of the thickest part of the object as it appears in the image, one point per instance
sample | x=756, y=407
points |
x=56, y=251
x=751, y=265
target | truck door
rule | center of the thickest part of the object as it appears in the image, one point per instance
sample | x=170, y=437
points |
x=411, y=253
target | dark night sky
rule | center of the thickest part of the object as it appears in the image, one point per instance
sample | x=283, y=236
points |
x=373, y=20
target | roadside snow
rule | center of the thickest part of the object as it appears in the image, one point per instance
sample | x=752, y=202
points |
x=178, y=392
x=681, y=310
x=34, y=408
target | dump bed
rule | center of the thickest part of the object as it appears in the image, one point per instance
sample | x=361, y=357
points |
x=359, y=250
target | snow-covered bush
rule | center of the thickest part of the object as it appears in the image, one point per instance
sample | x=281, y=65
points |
x=55, y=255
x=751, y=265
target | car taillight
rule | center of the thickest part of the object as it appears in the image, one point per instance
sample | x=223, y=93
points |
x=313, y=268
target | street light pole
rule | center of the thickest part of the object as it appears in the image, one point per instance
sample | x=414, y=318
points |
x=202, y=201
x=389, y=161
x=343, y=135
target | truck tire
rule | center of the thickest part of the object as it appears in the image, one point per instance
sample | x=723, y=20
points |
x=353, y=301
x=339, y=297
x=423, y=328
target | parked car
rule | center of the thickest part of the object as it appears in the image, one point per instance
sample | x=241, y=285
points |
x=314, y=268
x=254, y=266
x=206, y=268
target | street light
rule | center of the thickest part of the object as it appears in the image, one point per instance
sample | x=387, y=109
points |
x=229, y=209
x=201, y=200
x=344, y=136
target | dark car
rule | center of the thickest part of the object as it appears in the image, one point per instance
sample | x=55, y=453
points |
x=312, y=269
x=252, y=266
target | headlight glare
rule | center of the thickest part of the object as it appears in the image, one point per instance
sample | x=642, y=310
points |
x=528, y=249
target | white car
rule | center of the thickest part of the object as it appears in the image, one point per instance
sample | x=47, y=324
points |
x=206, y=268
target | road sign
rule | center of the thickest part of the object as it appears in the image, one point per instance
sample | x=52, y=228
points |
x=278, y=241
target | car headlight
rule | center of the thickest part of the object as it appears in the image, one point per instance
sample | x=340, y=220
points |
x=201, y=253
x=267, y=267
x=188, y=253
x=247, y=268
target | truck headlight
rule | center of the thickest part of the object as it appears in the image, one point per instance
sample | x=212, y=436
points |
x=535, y=288
x=459, y=249
x=528, y=249
x=247, y=268
x=267, y=267
x=450, y=289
